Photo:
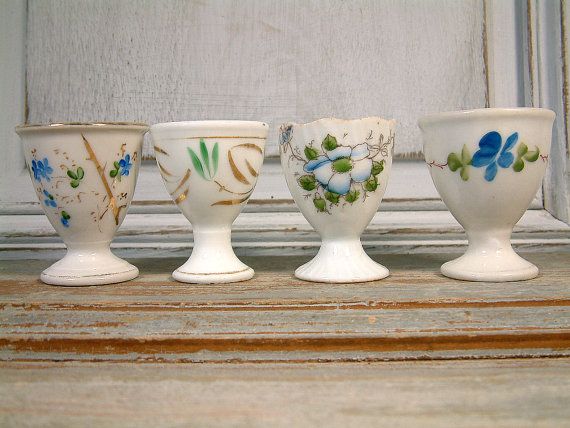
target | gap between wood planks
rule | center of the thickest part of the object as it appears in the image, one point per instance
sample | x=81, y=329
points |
x=154, y=349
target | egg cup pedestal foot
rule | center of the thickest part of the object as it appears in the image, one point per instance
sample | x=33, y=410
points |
x=86, y=266
x=213, y=261
x=341, y=261
x=490, y=258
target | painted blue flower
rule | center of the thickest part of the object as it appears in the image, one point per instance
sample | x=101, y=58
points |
x=492, y=153
x=339, y=167
x=65, y=217
x=285, y=134
x=41, y=169
x=36, y=171
x=125, y=165
x=49, y=201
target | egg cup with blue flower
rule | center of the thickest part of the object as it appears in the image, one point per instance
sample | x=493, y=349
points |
x=84, y=176
x=488, y=165
x=337, y=171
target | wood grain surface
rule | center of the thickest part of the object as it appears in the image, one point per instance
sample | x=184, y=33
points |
x=276, y=61
x=416, y=313
x=512, y=393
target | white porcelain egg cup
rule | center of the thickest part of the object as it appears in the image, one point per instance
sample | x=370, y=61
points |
x=84, y=176
x=487, y=165
x=337, y=171
x=210, y=169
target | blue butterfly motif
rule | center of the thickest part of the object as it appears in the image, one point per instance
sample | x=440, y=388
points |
x=492, y=153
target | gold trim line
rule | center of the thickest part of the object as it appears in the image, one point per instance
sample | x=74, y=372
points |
x=218, y=137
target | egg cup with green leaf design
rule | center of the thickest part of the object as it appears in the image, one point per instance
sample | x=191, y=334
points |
x=210, y=169
x=488, y=165
x=337, y=171
x=83, y=194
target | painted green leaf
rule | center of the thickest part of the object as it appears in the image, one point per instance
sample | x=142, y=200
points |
x=352, y=196
x=377, y=167
x=308, y=182
x=371, y=184
x=65, y=215
x=215, y=158
x=522, y=150
x=453, y=162
x=197, y=164
x=333, y=198
x=116, y=163
x=113, y=173
x=532, y=156
x=320, y=204
x=311, y=153
x=71, y=174
x=465, y=155
x=329, y=143
x=80, y=173
x=74, y=183
x=518, y=165
x=464, y=172
x=205, y=156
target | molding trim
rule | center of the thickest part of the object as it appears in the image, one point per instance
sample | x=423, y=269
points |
x=548, y=23
x=279, y=233
x=527, y=66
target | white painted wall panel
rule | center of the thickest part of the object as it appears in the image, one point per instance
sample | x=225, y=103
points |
x=12, y=88
x=268, y=60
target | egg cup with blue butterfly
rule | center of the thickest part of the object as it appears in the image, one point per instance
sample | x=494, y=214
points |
x=488, y=165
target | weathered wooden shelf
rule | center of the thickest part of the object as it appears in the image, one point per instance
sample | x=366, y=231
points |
x=414, y=314
x=277, y=351
x=488, y=393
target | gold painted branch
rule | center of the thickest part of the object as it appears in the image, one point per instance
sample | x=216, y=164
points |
x=112, y=200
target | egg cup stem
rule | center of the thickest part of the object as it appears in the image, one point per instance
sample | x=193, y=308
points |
x=490, y=257
x=213, y=259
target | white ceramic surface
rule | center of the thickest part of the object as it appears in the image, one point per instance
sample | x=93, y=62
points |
x=84, y=176
x=337, y=171
x=210, y=169
x=487, y=165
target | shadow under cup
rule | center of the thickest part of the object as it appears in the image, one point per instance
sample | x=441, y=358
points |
x=487, y=165
x=210, y=169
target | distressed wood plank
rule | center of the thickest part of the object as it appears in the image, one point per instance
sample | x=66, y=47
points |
x=414, y=278
x=263, y=60
x=522, y=393
x=416, y=313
